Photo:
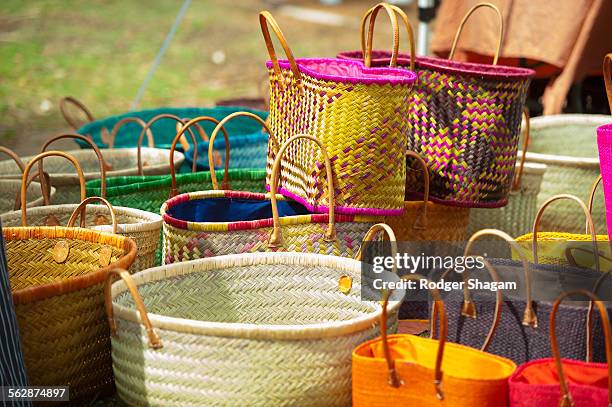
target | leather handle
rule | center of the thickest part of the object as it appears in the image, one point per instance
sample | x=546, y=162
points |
x=26, y=173
x=155, y=341
x=72, y=122
x=82, y=209
x=518, y=177
x=14, y=157
x=123, y=122
x=276, y=239
x=607, y=71
x=103, y=165
x=500, y=38
x=44, y=193
x=371, y=15
x=265, y=19
x=371, y=233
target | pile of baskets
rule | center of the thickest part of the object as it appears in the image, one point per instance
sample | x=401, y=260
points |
x=226, y=264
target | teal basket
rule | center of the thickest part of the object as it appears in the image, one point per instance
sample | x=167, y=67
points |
x=165, y=130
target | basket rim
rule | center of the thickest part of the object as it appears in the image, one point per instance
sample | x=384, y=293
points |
x=148, y=221
x=246, y=225
x=250, y=330
x=61, y=287
x=137, y=183
x=446, y=65
x=552, y=386
x=561, y=160
x=64, y=177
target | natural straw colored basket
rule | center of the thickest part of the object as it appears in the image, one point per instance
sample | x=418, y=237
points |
x=214, y=223
x=516, y=218
x=143, y=227
x=116, y=162
x=566, y=145
x=56, y=275
x=426, y=220
x=255, y=329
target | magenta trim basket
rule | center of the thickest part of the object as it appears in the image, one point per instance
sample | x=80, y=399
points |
x=604, y=144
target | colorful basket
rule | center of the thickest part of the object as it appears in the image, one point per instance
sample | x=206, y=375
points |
x=214, y=223
x=143, y=227
x=560, y=382
x=360, y=116
x=409, y=370
x=566, y=145
x=96, y=164
x=604, y=143
x=522, y=314
x=256, y=329
x=99, y=130
x=56, y=275
x=464, y=118
x=428, y=221
x=517, y=216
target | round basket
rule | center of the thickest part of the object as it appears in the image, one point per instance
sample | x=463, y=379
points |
x=109, y=163
x=566, y=144
x=99, y=130
x=255, y=329
x=143, y=227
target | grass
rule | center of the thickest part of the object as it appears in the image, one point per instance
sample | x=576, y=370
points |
x=100, y=51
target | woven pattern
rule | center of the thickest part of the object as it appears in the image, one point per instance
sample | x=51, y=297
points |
x=248, y=151
x=516, y=218
x=143, y=227
x=122, y=161
x=604, y=145
x=301, y=233
x=565, y=144
x=164, y=130
x=59, y=307
x=362, y=125
x=9, y=189
x=465, y=122
x=256, y=343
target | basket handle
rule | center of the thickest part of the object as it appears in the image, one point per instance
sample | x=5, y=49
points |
x=590, y=225
x=82, y=208
x=529, y=315
x=26, y=173
x=14, y=156
x=72, y=122
x=596, y=183
x=213, y=175
x=183, y=142
x=371, y=15
x=103, y=164
x=44, y=195
x=123, y=122
x=465, y=18
x=607, y=71
x=155, y=341
x=276, y=239
x=566, y=398
x=367, y=52
x=265, y=19
x=199, y=128
x=373, y=231
x=516, y=184
x=394, y=380
x=421, y=220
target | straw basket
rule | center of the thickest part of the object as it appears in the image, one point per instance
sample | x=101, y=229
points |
x=99, y=130
x=517, y=216
x=359, y=114
x=143, y=227
x=258, y=329
x=214, y=223
x=464, y=118
x=56, y=275
x=566, y=145
x=111, y=163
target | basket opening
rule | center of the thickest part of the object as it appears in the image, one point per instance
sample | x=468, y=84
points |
x=232, y=210
x=576, y=373
x=565, y=139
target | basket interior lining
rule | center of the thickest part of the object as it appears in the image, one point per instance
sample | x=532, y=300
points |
x=256, y=294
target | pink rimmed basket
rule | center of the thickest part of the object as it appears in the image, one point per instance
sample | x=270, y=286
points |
x=360, y=116
x=464, y=118
x=604, y=144
x=194, y=227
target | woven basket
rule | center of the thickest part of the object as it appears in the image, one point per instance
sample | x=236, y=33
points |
x=143, y=227
x=517, y=216
x=96, y=164
x=566, y=144
x=564, y=248
x=99, y=130
x=360, y=116
x=56, y=275
x=425, y=220
x=257, y=329
x=214, y=223
x=604, y=144
x=464, y=118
